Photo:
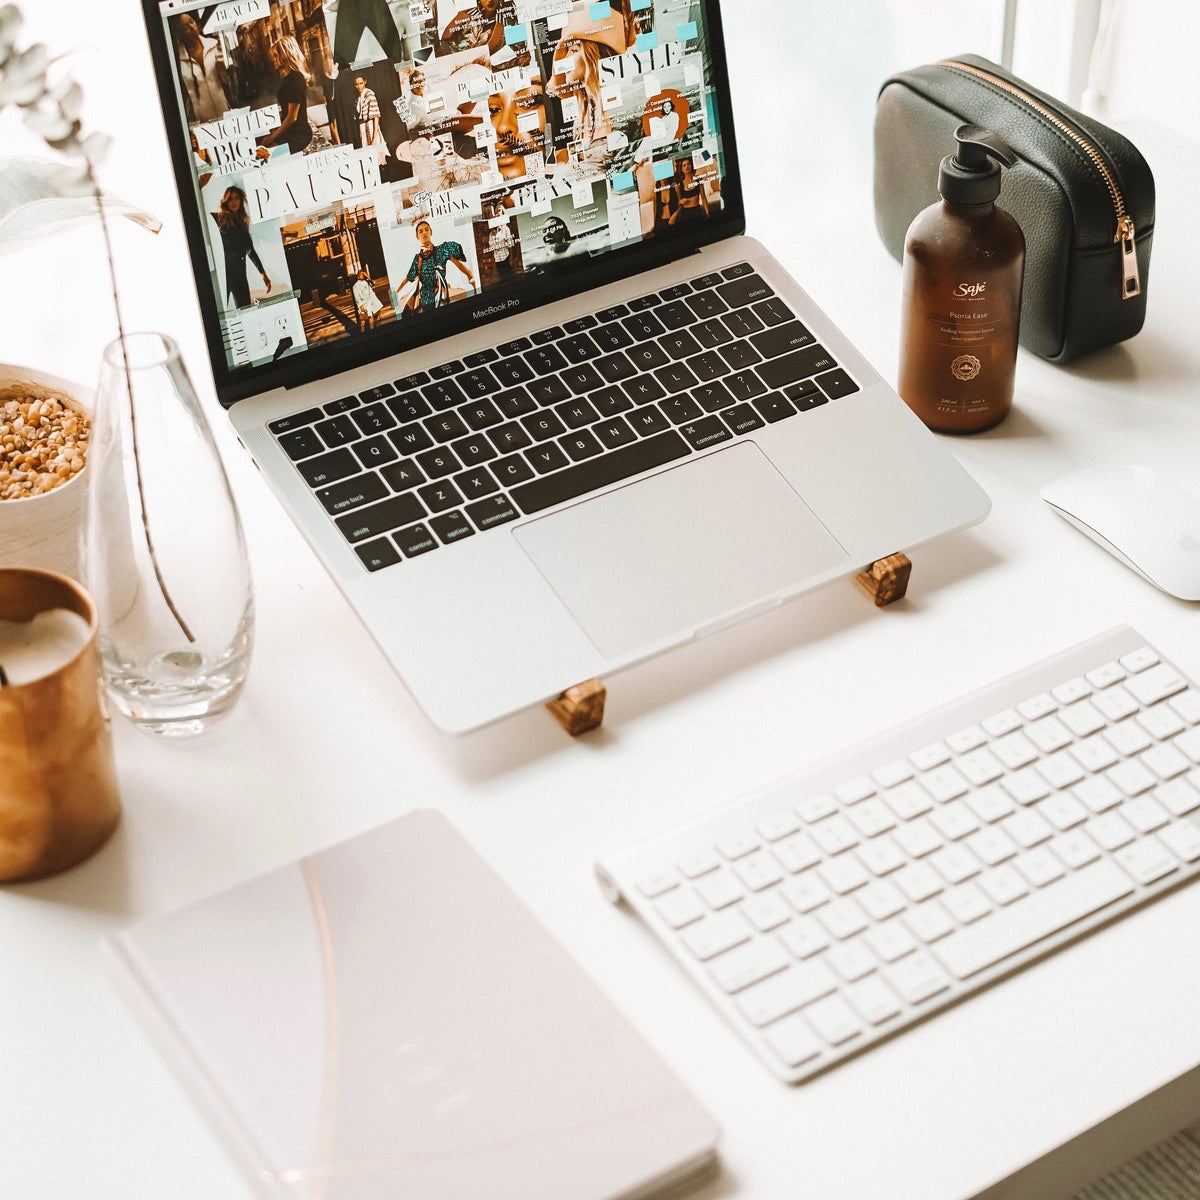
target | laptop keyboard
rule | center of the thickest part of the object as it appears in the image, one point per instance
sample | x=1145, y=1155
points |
x=408, y=466
x=841, y=906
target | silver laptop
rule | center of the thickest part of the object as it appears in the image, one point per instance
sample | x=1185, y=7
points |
x=386, y=1019
x=480, y=304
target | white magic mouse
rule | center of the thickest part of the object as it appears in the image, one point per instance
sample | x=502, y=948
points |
x=1138, y=516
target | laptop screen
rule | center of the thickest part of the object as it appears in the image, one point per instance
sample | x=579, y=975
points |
x=380, y=172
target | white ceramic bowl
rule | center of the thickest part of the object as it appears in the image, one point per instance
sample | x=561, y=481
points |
x=43, y=531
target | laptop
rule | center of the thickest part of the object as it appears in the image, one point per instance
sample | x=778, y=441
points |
x=480, y=304
x=385, y=1018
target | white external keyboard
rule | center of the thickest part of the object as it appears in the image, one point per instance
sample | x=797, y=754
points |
x=835, y=908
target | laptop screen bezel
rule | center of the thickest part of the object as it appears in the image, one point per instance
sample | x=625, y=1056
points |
x=234, y=384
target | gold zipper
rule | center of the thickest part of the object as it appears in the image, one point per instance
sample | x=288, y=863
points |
x=1131, y=284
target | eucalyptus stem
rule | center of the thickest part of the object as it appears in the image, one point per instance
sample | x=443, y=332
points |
x=137, y=459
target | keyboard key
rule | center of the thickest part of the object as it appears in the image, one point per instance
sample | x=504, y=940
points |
x=439, y=462
x=610, y=401
x=715, y=934
x=336, y=432
x=383, y=517
x=803, y=937
x=478, y=383
x=779, y=339
x=548, y=391
x=707, y=432
x=451, y=527
x=443, y=394
x=1076, y=896
x=509, y=371
x=350, y=493
x=1147, y=860
x=374, y=452
x=409, y=407
x=793, y=1041
x=774, y=407
x=600, y=472
x=873, y=999
x=400, y=476
x=477, y=483
x=742, y=324
x=377, y=554
x=643, y=325
x=410, y=438
x=295, y=421
x=478, y=358
x=836, y=384
x=575, y=414
x=675, y=315
x=509, y=437
x=301, y=443
x=415, y=540
x=512, y=469
x=772, y=311
x=833, y=1020
x=545, y=360
x=474, y=450
x=917, y=977
x=546, y=457
x=615, y=433
x=1183, y=839
x=614, y=368
x=746, y=964
x=329, y=467
x=1139, y=660
x=766, y=911
x=745, y=290
x=445, y=370
x=1155, y=684
x=581, y=445
x=579, y=349
x=516, y=402
x=679, y=908
x=377, y=393
x=440, y=496
x=495, y=510
x=647, y=356
x=481, y=415
x=582, y=379
x=706, y=304
x=543, y=425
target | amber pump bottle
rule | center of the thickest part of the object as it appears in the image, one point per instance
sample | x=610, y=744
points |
x=963, y=262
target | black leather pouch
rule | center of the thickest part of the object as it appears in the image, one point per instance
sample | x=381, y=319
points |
x=1081, y=192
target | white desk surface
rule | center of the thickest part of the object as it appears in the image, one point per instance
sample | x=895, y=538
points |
x=325, y=743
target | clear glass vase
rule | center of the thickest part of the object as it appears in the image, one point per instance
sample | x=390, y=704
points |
x=164, y=556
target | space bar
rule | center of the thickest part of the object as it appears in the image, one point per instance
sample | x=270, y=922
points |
x=1048, y=910
x=599, y=472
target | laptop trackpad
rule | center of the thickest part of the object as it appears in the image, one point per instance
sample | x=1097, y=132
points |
x=680, y=549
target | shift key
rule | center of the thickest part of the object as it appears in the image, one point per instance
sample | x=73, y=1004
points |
x=799, y=364
x=380, y=518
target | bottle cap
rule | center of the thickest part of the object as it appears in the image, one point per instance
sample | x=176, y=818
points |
x=972, y=174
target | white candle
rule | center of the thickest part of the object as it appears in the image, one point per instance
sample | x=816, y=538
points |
x=30, y=650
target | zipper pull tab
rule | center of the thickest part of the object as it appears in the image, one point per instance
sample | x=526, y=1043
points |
x=1131, y=285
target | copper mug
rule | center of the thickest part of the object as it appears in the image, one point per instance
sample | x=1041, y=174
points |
x=58, y=784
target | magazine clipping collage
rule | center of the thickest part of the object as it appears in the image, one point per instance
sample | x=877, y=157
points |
x=362, y=162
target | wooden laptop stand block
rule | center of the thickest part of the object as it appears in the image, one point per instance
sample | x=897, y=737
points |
x=886, y=579
x=580, y=708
